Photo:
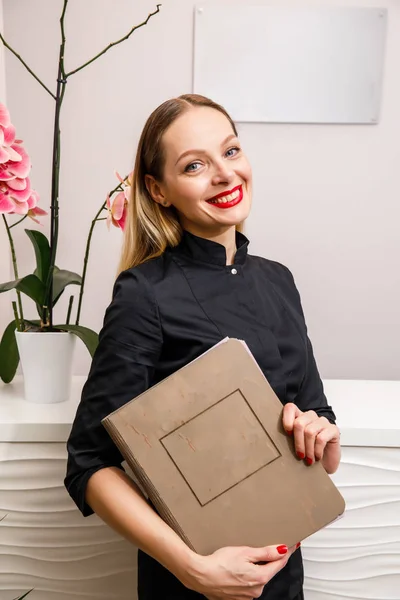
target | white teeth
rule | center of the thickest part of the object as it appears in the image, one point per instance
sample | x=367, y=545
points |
x=227, y=198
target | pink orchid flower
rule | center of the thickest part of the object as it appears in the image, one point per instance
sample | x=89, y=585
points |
x=4, y=116
x=127, y=181
x=7, y=146
x=117, y=208
x=118, y=205
x=16, y=195
x=10, y=148
x=34, y=210
x=11, y=203
x=18, y=165
x=15, y=201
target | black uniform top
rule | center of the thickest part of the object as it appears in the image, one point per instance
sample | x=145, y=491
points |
x=166, y=312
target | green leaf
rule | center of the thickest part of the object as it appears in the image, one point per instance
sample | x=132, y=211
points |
x=29, y=285
x=9, y=285
x=39, y=307
x=34, y=325
x=62, y=278
x=9, y=356
x=89, y=337
x=42, y=252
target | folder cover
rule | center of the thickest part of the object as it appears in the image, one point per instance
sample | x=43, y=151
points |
x=208, y=447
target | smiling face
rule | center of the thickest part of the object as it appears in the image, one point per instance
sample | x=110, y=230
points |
x=206, y=176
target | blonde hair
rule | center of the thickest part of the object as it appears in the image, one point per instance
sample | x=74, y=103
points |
x=151, y=228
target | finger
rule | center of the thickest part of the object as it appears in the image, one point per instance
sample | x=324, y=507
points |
x=329, y=433
x=299, y=427
x=311, y=432
x=268, y=553
x=268, y=571
x=290, y=413
x=257, y=591
x=280, y=554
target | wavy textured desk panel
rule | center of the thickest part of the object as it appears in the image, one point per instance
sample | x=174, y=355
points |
x=44, y=541
x=358, y=557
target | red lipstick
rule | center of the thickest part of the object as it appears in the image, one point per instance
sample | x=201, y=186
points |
x=217, y=200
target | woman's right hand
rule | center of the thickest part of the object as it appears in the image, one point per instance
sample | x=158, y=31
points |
x=233, y=573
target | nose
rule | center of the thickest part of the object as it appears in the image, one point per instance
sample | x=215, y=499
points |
x=223, y=173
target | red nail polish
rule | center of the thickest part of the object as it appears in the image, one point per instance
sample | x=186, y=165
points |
x=282, y=549
x=290, y=432
x=301, y=455
x=298, y=545
x=309, y=461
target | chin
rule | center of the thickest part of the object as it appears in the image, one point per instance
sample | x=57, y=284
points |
x=231, y=217
x=241, y=213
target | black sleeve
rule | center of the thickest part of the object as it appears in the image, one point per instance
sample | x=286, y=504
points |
x=311, y=395
x=122, y=367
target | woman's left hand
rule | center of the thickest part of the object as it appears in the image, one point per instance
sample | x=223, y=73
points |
x=315, y=438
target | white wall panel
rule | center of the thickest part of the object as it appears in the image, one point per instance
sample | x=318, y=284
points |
x=358, y=557
x=45, y=543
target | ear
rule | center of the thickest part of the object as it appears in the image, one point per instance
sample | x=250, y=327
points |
x=155, y=191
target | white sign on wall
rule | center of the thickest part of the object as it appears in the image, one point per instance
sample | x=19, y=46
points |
x=291, y=64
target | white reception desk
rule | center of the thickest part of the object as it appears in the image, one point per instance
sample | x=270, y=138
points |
x=47, y=545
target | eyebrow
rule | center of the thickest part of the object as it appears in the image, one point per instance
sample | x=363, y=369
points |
x=199, y=151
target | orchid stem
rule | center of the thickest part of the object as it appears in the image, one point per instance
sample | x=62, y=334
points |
x=55, y=179
x=85, y=264
x=26, y=67
x=114, y=43
x=87, y=250
x=47, y=313
x=18, y=222
x=63, y=37
x=70, y=303
x=16, y=317
x=15, y=266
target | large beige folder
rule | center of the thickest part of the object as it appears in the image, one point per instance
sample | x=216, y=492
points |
x=208, y=447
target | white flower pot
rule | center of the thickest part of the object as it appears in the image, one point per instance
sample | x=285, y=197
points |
x=46, y=361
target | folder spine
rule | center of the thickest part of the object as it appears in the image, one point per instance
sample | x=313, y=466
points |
x=145, y=482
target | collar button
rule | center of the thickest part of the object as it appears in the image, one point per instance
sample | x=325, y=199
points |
x=234, y=271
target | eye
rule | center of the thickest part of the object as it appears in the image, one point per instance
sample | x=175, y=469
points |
x=189, y=168
x=232, y=151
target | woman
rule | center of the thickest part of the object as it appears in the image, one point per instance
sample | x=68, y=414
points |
x=186, y=281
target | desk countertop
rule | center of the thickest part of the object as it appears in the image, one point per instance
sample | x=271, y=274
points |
x=368, y=413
